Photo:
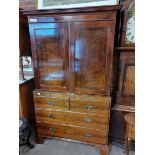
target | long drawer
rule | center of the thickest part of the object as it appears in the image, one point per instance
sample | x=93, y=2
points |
x=72, y=132
x=90, y=103
x=51, y=100
x=73, y=118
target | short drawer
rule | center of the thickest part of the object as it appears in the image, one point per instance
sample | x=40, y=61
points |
x=51, y=100
x=90, y=104
x=73, y=118
x=72, y=132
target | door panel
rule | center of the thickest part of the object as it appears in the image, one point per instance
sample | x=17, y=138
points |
x=91, y=55
x=126, y=81
x=49, y=44
x=129, y=80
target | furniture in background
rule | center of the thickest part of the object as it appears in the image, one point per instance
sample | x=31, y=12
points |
x=24, y=133
x=24, y=38
x=26, y=81
x=129, y=130
x=26, y=103
x=24, y=46
x=124, y=71
x=72, y=52
x=125, y=89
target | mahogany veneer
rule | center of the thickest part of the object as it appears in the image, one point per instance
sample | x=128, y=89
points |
x=72, y=53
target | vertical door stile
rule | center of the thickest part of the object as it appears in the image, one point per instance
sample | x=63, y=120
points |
x=109, y=62
x=71, y=57
x=67, y=56
x=34, y=55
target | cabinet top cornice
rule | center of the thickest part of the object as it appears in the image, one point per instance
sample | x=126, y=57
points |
x=72, y=10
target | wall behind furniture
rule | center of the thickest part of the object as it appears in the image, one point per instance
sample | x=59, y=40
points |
x=28, y=4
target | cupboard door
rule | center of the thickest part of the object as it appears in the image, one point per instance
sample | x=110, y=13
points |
x=50, y=56
x=91, y=56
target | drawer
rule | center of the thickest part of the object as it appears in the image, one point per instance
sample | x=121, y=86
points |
x=73, y=118
x=90, y=104
x=72, y=132
x=51, y=100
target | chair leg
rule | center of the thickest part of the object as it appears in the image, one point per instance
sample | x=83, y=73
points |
x=30, y=145
x=128, y=146
x=28, y=141
x=125, y=145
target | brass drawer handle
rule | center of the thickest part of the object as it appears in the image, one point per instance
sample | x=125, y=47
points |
x=53, y=130
x=51, y=103
x=52, y=116
x=88, y=107
x=88, y=120
x=88, y=135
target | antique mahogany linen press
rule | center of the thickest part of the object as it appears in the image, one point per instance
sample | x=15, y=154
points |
x=72, y=51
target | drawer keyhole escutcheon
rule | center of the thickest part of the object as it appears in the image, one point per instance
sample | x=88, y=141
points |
x=88, y=135
x=51, y=103
x=88, y=107
x=88, y=120
x=52, y=116
x=53, y=130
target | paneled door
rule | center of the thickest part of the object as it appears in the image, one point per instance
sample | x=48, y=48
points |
x=126, y=81
x=49, y=43
x=91, y=52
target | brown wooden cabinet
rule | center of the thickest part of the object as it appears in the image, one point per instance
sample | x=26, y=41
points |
x=26, y=104
x=72, y=53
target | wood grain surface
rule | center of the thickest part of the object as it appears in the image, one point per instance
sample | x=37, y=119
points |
x=72, y=132
x=72, y=118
